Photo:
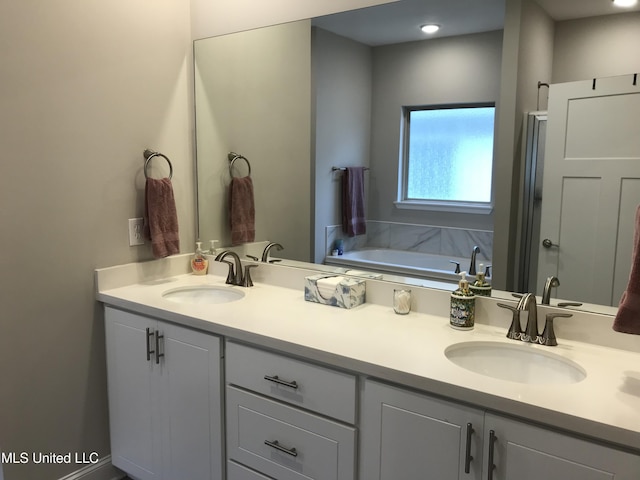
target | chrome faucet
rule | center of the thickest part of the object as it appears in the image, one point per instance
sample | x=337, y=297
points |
x=528, y=303
x=472, y=267
x=267, y=249
x=546, y=293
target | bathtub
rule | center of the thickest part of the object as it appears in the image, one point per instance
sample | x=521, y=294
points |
x=402, y=262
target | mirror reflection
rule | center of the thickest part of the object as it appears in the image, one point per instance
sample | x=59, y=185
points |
x=301, y=99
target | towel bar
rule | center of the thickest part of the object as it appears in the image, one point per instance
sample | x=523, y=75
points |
x=148, y=155
x=235, y=156
x=344, y=168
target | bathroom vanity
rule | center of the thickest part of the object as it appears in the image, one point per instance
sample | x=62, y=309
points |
x=264, y=385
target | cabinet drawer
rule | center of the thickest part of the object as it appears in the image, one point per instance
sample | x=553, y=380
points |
x=235, y=471
x=309, y=386
x=287, y=443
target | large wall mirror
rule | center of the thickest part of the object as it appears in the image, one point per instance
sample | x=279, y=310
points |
x=301, y=98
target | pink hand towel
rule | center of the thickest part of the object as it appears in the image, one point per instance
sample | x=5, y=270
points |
x=242, y=210
x=628, y=317
x=353, y=218
x=160, y=217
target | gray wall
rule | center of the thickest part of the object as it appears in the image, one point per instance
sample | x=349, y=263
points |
x=526, y=59
x=342, y=112
x=596, y=47
x=253, y=97
x=462, y=69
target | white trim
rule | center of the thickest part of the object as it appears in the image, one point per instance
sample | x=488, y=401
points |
x=442, y=206
x=101, y=470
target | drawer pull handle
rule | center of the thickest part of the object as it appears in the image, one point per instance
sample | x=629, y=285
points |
x=280, y=448
x=275, y=379
x=468, y=457
x=158, y=354
x=149, y=351
x=491, y=467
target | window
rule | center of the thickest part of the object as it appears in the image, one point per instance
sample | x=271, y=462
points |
x=447, y=158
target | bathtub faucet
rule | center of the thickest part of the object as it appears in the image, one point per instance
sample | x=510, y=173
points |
x=472, y=266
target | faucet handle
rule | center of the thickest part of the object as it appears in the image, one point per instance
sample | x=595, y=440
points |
x=457, y=265
x=247, y=282
x=255, y=259
x=515, y=330
x=548, y=336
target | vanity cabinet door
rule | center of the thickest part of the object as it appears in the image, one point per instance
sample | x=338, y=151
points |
x=519, y=451
x=134, y=397
x=164, y=398
x=411, y=436
x=191, y=404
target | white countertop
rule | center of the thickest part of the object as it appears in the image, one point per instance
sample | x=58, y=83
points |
x=408, y=350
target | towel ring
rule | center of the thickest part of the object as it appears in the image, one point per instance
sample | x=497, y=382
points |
x=148, y=155
x=233, y=157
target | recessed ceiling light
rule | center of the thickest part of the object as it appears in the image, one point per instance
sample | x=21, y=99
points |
x=430, y=28
x=624, y=3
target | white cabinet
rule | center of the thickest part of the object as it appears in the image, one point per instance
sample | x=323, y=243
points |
x=519, y=451
x=164, y=398
x=408, y=435
x=411, y=436
x=274, y=428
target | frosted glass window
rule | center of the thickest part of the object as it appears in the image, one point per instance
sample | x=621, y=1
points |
x=449, y=154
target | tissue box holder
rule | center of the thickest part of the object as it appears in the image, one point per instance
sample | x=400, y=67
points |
x=349, y=293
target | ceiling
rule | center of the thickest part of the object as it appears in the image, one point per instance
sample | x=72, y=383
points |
x=400, y=21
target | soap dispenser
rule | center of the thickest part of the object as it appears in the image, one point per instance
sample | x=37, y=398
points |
x=199, y=263
x=463, y=306
x=481, y=287
x=212, y=247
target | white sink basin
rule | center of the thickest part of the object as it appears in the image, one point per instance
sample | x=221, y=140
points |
x=519, y=362
x=203, y=294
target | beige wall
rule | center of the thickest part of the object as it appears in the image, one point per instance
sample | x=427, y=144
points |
x=218, y=17
x=87, y=85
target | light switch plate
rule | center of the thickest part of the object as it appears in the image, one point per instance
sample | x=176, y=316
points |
x=135, y=232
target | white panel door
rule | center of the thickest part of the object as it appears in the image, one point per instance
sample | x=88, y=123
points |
x=591, y=187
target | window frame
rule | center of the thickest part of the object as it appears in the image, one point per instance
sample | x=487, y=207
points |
x=402, y=202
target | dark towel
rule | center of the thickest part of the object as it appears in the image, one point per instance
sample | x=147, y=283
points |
x=242, y=210
x=628, y=317
x=160, y=217
x=353, y=219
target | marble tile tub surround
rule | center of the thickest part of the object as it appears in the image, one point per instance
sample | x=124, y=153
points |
x=446, y=241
